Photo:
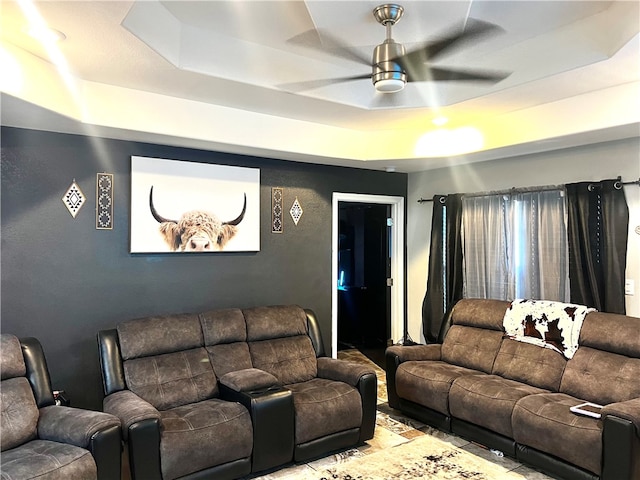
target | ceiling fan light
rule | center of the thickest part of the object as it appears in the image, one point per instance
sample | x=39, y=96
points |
x=389, y=85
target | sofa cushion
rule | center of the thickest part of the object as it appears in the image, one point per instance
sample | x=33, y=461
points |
x=157, y=335
x=223, y=426
x=172, y=379
x=612, y=333
x=545, y=423
x=529, y=364
x=223, y=326
x=18, y=412
x=40, y=459
x=601, y=377
x=12, y=364
x=229, y=357
x=487, y=400
x=323, y=407
x=428, y=383
x=471, y=347
x=289, y=359
x=275, y=322
x=481, y=313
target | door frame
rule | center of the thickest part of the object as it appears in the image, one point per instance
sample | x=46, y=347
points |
x=397, y=261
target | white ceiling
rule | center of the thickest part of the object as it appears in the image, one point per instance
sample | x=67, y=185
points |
x=209, y=74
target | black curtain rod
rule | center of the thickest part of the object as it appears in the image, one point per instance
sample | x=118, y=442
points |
x=636, y=182
x=618, y=185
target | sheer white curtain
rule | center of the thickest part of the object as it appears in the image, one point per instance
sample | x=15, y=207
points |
x=485, y=245
x=515, y=246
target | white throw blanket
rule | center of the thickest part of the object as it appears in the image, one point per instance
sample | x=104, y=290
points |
x=553, y=325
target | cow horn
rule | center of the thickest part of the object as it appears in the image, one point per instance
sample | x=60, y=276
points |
x=241, y=216
x=153, y=210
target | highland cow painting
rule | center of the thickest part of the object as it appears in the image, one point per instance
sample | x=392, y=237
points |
x=188, y=207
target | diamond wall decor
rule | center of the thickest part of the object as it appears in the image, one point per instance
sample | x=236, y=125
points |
x=104, y=201
x=276, y=210
x=73, y=199
x=296, y=211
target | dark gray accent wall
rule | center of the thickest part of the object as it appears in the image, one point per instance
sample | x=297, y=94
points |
x=63, y=280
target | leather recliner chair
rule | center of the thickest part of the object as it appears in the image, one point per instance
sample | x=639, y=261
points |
x=41, y=439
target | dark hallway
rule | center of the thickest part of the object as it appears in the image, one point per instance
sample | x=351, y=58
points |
x=364, y=310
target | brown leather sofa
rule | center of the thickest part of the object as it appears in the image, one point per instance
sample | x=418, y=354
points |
x=224, y=393
x=516, y=397
x=41, y=439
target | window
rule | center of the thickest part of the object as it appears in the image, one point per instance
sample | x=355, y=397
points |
x=515, y=246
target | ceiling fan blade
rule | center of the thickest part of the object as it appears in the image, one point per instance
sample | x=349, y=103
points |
x=474, y=31
x=325, y=42
x=429, y=74
x=323, y=82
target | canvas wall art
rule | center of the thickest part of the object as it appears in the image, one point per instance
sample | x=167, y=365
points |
x=186, y=207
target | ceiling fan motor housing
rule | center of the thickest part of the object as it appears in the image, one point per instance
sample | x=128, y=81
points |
x=388, y=76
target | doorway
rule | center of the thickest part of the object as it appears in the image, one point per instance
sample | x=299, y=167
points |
x=368, y=272
x=364, y=273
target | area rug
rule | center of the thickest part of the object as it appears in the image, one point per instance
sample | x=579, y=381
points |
x=424, y=457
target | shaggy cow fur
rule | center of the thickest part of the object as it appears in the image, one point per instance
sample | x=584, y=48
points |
x=197, y=231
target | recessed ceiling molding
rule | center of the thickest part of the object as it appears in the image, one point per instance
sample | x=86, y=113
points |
x=145, y=97
x=153, y=24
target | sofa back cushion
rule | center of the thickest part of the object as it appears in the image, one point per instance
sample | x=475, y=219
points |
x=165, y=361
x=222, y=326
x=172, y=379
x=143, y=337
x=530, y=364
x=264, y=323
x=12, y=362
x=290, y=360
x=611, y=332
x=19, y=413
x=474, y=338
x=471, y=347
x=601, y=377
x=479, y=312
x=279, y=343
x=225, y=338
x=606, y=366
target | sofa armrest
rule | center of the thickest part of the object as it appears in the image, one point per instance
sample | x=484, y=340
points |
x=73, y=425
x=397, y=354
x=621, y=441
x=406, y=353
x=249, y=380
x=97, y=432
x=140, y=429
x=342, y=371
x=629, y=410
x=130, y=409
x=364, y=379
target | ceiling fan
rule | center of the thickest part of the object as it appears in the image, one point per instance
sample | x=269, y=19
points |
x=391, y=66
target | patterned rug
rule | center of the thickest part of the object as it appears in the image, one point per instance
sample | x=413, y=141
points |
x=419, y=458
x=423, y=457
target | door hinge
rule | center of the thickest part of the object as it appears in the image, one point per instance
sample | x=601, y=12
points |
x=389, y=222
x=389, y=282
